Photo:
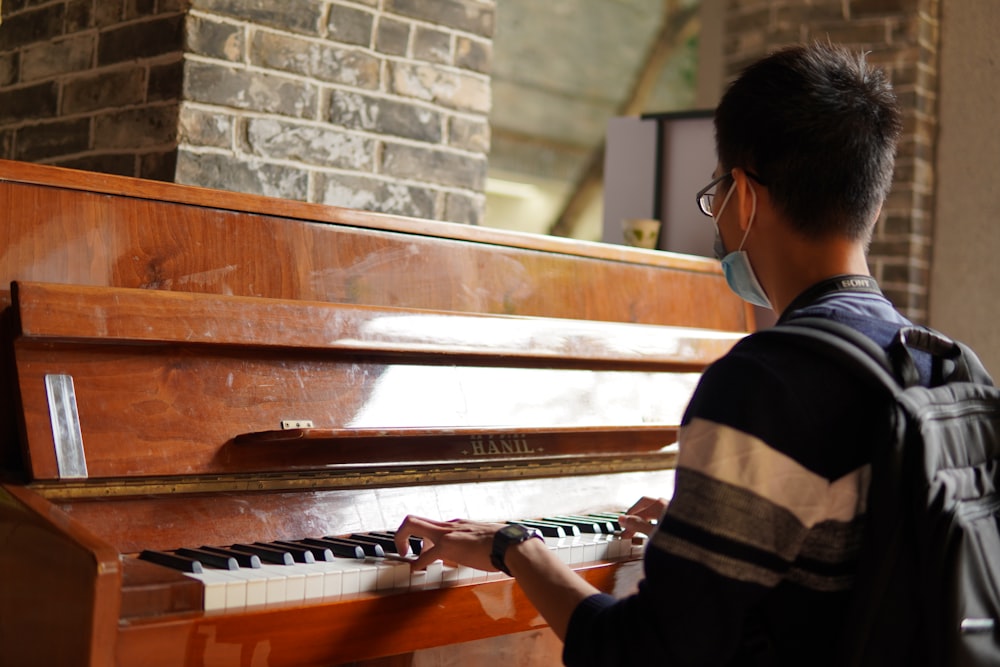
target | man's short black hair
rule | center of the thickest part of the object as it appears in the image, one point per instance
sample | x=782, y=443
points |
x=818, y=125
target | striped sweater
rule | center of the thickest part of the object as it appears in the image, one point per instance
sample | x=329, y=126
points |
x=753, y=561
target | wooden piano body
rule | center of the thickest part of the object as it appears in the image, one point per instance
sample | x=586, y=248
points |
x=156, y=339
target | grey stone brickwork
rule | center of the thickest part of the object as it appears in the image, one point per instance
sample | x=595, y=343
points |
x=902, y=36
x=92, y=84
x=374, y=104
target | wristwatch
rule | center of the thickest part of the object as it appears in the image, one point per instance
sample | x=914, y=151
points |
x=506, y=537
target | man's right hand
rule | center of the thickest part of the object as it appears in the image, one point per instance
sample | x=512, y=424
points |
x=643, y=516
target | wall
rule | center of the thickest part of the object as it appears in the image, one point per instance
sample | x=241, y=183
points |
x=965, y=270
x=373, y=104
x=91, y=85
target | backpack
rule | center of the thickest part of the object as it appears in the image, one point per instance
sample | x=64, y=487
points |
x=927, y=589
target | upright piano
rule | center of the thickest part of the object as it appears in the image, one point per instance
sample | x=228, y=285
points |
x=215, y=406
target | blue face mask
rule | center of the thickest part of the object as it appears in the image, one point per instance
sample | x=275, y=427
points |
x=736, y=265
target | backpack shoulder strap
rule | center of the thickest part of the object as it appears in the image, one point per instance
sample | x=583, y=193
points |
x=951, y=361
x=850, y=346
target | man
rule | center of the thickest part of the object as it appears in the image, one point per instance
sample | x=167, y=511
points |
x=752, y=561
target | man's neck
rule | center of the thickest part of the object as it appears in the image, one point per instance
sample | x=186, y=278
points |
x=809, y=262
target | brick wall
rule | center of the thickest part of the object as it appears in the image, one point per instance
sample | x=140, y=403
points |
x=903, y=37
x=373, y=104
x=91, y=84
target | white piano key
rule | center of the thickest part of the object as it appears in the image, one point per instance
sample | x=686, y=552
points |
x=449, y=575
x=559, y=547
x=275, y=577
x=589, y=548
x=426, y=579
x=615, y=548
x=340, y=577
x=384, y=575
x=314, y=580
x=295, y=583
x=368, y=576
x=216, y=584
x=602, y=548
x=396, y=575
x=350, y=580
x=255, y=586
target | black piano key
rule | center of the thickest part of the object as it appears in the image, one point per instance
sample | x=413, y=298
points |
x=570, y=528
x=416, y=543
x=384, y=540
x=266, y=554
x=303, y=553
x=546, y=529
x=582, y=525
x=319, y=553
x=209, y=558
x=609, y=516
x=300, y=553
x=172, y=560
x=604, y=526
x=244, y=559
x=338, y=547
x=368, y=546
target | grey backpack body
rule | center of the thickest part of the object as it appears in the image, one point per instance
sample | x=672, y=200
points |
x=927, y=590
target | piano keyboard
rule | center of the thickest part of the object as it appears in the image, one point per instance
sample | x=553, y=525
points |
x=329, y=569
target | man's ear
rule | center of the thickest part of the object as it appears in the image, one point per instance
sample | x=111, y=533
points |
x=746, y=200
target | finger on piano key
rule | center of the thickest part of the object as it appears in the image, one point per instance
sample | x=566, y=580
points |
x=611, y=517
x=427, y=579
x=416, y=543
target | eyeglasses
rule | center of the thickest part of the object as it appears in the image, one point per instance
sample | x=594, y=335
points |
x=704, y=197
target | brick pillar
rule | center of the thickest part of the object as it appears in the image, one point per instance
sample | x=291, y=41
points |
x=91, y=85
x=902, y=36
x=373, y=104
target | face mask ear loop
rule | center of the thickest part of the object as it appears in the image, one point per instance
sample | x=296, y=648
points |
x=753, y=213
x=715, y=218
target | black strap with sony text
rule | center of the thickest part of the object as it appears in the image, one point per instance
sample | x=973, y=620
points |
x=843, y=283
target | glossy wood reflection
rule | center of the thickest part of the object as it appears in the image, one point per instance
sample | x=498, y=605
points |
x=88, y=229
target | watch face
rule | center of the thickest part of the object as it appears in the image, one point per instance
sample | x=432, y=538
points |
x=514, y=531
